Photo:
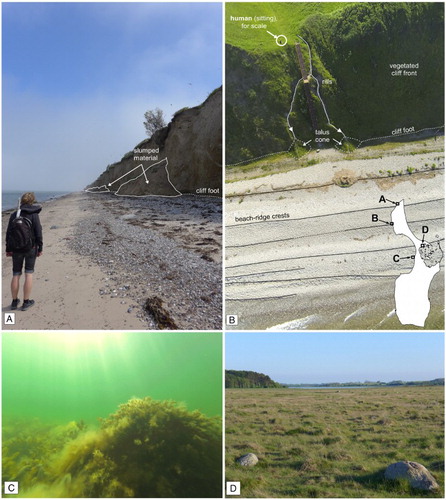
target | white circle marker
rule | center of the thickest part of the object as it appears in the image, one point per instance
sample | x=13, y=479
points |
x=281, y=40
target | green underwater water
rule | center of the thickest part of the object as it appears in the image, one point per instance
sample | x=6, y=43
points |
x=91, y=414
x=71, y=376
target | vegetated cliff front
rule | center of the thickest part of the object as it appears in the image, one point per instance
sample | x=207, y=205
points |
x=183, y=158
x=356, y=51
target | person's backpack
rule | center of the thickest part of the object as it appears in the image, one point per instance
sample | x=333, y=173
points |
x=21, y=234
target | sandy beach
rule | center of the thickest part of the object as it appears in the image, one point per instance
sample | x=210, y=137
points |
x=302, y=250
x=115, y=263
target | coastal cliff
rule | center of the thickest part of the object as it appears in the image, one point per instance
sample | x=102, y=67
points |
x=185, y=157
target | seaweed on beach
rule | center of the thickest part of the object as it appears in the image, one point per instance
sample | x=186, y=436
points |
x=146, y=448
x=164, y=321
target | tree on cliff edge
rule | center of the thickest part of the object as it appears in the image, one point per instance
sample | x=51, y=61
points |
x=154, y=121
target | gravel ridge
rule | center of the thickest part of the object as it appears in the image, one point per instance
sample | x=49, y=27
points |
x=156, y=248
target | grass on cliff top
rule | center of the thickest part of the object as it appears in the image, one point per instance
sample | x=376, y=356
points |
x=289, y=18
x=333, y=443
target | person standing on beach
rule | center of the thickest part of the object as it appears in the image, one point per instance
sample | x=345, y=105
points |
x=31, y=230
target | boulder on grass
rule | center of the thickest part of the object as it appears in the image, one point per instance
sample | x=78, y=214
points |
x=248, y=460
x=417, y=475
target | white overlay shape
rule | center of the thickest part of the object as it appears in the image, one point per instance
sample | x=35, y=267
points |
x=411, y=290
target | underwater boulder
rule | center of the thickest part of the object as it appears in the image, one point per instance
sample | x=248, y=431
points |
x=157, y=449
x=146, y=449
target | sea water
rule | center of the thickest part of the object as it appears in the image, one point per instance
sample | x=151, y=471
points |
x=57, y=388
x=60, y=377
x=10, y=198
x=318, y=387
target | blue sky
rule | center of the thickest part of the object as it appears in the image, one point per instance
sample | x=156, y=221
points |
x=78, y=77
x=308, y=357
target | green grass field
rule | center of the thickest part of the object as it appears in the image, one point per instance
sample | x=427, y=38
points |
x=333, y=443
x=289, y=15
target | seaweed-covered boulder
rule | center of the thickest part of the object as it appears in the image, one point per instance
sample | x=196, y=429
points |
x=417, y=475
x=248, y=460
x=148, y=449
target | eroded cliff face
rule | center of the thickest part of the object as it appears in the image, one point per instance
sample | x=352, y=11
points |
x=183, y=158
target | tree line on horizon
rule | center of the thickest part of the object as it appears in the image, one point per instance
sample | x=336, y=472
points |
x=243, y=379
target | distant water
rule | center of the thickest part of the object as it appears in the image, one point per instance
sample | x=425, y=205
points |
x=10, y=198
x=344, y=387
x=71, y=376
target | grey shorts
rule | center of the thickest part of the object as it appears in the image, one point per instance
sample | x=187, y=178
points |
x=28, y=258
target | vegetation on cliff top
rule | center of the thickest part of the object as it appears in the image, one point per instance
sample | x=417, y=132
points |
x=353, y=46
x=288, y=20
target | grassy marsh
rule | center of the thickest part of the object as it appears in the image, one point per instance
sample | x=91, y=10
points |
x=333, y=443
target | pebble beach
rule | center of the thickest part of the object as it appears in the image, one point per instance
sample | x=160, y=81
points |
x=116, y=263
